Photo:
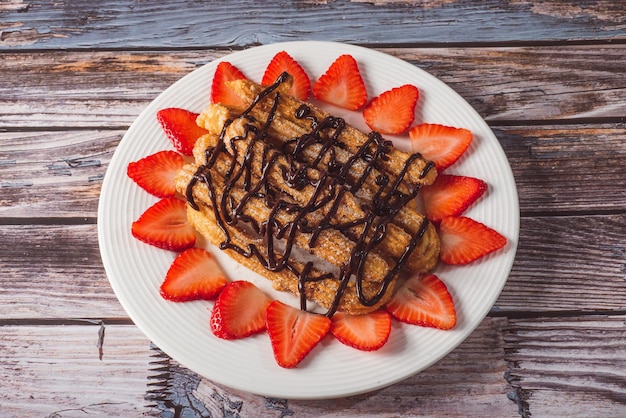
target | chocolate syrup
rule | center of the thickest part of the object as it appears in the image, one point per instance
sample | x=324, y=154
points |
x=329, y=187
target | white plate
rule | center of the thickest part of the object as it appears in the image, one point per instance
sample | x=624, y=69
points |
x=136, y=270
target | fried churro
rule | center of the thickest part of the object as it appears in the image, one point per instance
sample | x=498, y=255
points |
x=321, y=209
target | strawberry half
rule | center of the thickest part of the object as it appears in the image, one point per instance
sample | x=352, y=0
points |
x=293, y=332
x=424, y=301
x=180, y=127
x=393, y=111
x=155, y=173
x=342, y=84
x=283, y=62
x=451, y=195
x=464, y=240
x=239, y=311
x=164, y=225
x=220, y=92
x=194, y=274
x=364, y=332
x=441, y=144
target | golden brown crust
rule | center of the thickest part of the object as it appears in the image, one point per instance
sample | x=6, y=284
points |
x=246, y=172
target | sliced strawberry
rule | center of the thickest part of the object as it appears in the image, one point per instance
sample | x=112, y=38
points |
x=239, y=311
x=364, y=332
x=424, y=301
x=155, y=173
x=464, y=240
x=220, y=92
x=180, y=127
x=451, y=195
x=441, y=144
x=282, y=61
x=193, y=275
x=393, y=111
x=293, y=332
x=165, y=225
x=342, y=84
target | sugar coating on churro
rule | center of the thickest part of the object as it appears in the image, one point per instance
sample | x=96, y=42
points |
x=281, y=180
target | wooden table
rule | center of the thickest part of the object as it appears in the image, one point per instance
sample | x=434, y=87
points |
x=549, y=78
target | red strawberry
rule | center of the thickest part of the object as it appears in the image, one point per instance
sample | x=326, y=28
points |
x=451, y=195
x=464, y=240
x=441, y=144
x=393, y=111
x=239, y=311
x=301, y=88
x=293, y=332
x=365, y=332
x=165, y=225
x=155, y=173
x=193, y=275
x=424, y=301
x=342, y=84
x=220, y=92
x=180, y=127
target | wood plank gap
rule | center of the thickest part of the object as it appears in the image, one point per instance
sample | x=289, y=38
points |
x=49, y=128
x=50, y=221
x=567, y=213
x=496, y=313
x=610, y=120
x=64, y=321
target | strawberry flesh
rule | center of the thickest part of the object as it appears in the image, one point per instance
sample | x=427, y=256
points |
x=155, y=173
x=441, y=144
x=423, y=301
x=283, y=62
x=220, y=92
x=194, y=274
x=181, y=129
x=164, y=225
x=342, y=85
x=464, y=240
x=293, y=332
x=393, y=111
x=451, y=195
x=239, y=311
x=367, y=332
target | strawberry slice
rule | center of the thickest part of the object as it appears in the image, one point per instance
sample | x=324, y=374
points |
x=424, y=301
x=155, y=173
x=194, y=274
x=164, y=225
x=451, y=195
x=293, y=332
x=342, y=84
x=441, y=144
x=367, y=332
x=180, y=127
x=220, y=92
x=283, y=62
x=239, y=311
x=464, y=240
x=393, y=111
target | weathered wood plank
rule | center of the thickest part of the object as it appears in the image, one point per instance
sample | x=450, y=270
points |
x=56, y=369
x=120, y=24
x=59, y=173
x=579, y=361
x=558, y=260
x=109, y=89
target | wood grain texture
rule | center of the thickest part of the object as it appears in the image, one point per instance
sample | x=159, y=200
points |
x=109, y=89
x=59, y=173
x=580, y=361
x=558, y=260
x=66, y=377
x=76, y=24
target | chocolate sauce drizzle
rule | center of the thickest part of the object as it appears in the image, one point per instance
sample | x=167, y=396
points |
x=334, y=180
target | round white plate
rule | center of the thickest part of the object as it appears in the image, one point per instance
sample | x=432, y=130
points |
x=181, y=330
